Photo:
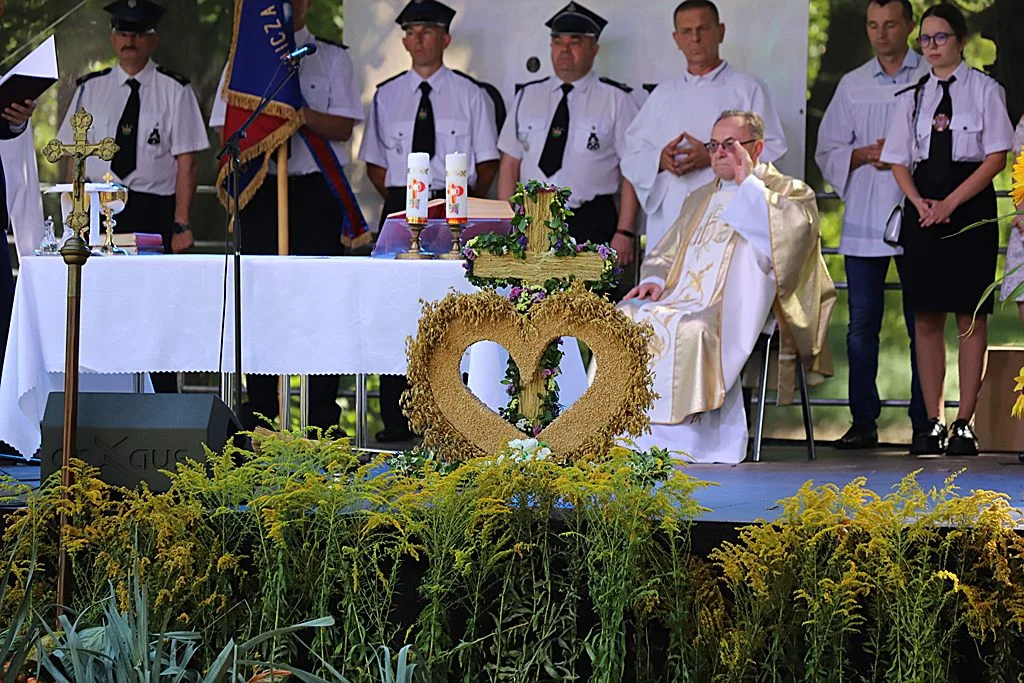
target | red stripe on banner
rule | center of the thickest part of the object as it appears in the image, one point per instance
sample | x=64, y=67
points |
x=261, y=128
x=332, y=171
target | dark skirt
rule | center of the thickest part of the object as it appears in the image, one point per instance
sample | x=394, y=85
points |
x=949, y=274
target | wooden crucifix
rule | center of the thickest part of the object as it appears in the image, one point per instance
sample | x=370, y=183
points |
x=78, y=152
x=75, y=253
x=539, y=266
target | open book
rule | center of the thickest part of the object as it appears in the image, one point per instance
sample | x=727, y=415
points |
x=30, y=77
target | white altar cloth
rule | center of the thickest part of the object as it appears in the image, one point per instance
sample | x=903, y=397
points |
x=300, y=315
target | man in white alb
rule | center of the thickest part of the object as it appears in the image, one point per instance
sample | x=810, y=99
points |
x=665, y=158
x=745, y=246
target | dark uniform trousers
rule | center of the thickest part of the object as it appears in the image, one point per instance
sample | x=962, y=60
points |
x=392, y=386
x=596, y=221
x=151, y=213
x=314, y=219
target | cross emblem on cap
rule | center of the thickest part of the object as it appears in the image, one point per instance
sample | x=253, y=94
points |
x=133, y=3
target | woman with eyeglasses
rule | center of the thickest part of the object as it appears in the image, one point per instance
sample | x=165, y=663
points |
x=947, y=141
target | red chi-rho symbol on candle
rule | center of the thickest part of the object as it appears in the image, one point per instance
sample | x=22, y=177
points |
x=416, y=188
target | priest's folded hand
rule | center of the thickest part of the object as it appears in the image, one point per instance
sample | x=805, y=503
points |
x=667, y=161
x=695, y=157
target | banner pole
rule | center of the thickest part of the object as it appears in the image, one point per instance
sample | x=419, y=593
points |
x=284, y=388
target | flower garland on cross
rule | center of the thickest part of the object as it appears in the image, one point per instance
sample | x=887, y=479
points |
x=536, y=259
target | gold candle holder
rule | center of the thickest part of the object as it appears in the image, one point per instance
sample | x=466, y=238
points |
x=414, y=252
x=455, y=253
x=109, y=248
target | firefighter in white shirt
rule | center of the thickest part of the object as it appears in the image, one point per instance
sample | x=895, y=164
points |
x=153, y=115
x=570, y=130
x=431, y=109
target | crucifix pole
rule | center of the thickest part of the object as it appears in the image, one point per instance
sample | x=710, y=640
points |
x=75, y=253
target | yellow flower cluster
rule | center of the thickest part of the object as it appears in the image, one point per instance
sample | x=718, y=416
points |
x=1018, y=406
x=1017, y=191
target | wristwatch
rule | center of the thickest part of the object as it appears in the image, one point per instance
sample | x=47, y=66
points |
x=180, y=228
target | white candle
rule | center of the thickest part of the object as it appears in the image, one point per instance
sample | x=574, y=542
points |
x=417, y=189
x=456, y=188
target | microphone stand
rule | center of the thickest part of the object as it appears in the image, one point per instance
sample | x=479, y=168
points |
x=233, y=148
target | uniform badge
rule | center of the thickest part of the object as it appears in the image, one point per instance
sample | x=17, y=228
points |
x=940, y=123
x=593, y=144
x=422, y=114
x=154, y=137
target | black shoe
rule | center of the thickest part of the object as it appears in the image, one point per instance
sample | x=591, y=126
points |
x=962, y=440
x=388, y=436
x=857, y=438
x=931, y=440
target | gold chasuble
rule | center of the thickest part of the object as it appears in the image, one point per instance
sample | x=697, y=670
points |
x=736, y=253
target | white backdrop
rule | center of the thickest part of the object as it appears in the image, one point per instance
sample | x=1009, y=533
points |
x=493, y=40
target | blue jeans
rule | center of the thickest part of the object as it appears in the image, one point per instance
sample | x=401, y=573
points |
x=866, y=278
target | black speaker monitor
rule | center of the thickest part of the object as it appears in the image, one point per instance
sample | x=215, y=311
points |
x=131, y=437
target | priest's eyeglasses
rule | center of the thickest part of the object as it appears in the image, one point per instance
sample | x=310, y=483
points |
x=939, y=39
x=712, y=145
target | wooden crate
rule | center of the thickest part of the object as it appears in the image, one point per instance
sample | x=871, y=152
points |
x=997, y=431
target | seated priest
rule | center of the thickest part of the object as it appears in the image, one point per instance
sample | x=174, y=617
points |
x=743, y=257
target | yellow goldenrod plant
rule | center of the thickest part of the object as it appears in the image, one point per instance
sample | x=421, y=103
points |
x=516, y=567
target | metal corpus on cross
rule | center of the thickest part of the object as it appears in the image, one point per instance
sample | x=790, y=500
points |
x=540, y=265
x=78, y=152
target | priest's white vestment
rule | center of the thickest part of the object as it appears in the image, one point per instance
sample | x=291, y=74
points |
x=736, y=256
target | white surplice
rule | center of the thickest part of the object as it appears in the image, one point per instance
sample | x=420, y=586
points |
x=736, y=219
x=689, y=104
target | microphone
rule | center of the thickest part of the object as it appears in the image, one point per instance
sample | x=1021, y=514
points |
x=296, y=55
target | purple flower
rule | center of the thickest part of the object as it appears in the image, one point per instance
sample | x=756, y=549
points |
x=469, y=253
x=604, y=251
x=537, y=429
x=539, y=296
x=580, y=247
x=511, y=391
x=522, y=241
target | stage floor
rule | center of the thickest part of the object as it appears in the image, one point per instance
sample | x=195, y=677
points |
x=748, y=491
